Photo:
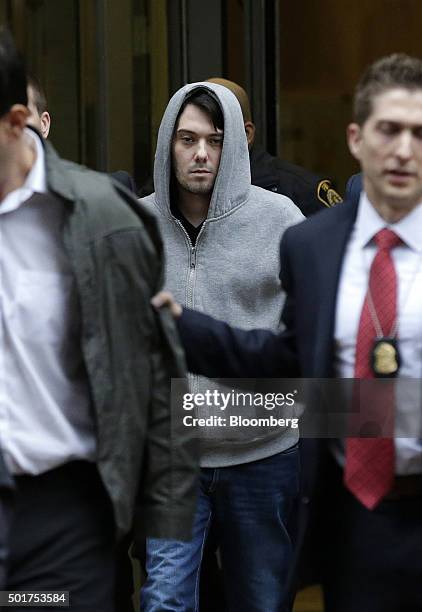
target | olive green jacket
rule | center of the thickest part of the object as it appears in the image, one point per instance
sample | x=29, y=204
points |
x=130, y=352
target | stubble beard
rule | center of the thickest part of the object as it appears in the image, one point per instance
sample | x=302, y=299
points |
x=202, y=187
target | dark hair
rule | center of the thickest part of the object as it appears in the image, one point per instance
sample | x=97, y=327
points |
x=206, y=101
x=12, y=74
x=40, y=99
x=390, y=72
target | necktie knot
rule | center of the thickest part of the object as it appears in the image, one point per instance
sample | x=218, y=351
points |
x=386, y=239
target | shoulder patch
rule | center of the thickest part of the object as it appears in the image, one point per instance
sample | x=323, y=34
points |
x=327, y=195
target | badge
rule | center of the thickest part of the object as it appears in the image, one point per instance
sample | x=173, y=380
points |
x=327, y=195
x=385, y=357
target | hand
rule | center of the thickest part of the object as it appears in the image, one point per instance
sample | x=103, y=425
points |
x=165, y=298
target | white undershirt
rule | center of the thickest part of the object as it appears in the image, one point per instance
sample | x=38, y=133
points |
x=45, y=413
x=360, y=252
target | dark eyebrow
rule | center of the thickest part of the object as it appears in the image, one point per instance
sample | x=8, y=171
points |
x=399, y=124
x=184, y=131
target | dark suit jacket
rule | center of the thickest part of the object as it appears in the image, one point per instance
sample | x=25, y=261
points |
x=354, y=187
x=310, y=270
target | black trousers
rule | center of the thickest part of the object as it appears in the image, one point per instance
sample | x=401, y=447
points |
x=5, y=519
x=373, y=558
x=63, y=537
x=6, y=496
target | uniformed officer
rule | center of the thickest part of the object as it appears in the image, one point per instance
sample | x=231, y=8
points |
x=309, y=192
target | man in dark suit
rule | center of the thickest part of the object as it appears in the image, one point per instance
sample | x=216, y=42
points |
x=353, y=311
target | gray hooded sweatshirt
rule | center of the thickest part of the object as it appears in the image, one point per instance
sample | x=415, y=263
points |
x=233, y=270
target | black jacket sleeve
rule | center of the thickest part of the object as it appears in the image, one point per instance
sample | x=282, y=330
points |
x=216, y=350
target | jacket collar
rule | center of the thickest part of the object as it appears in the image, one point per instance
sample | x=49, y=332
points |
x=59, y=181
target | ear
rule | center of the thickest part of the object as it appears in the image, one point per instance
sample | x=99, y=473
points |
x=17, y=117
x=250, y=132
x=354, y=139
x=45, y=124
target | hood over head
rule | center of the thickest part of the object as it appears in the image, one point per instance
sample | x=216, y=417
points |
x=233, y=180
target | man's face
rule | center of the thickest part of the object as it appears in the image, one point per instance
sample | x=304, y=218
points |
x=389, y=148
x=40, y=122
x=196, y=151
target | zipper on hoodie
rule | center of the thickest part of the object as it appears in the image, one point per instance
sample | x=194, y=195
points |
x=192, y=262
x=191, y=275
x=193, y=378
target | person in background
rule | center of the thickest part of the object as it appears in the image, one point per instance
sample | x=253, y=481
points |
x=311, y=193
x=40, y=119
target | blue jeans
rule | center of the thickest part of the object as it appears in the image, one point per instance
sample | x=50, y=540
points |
x=249, y=506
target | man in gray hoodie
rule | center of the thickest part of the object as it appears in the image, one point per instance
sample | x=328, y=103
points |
x=221, y=237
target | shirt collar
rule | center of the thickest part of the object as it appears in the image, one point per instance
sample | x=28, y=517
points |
x=35, y=182
x=36, y=179
x=369, y=222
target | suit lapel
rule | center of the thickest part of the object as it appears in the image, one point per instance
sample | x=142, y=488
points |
x=329, y=264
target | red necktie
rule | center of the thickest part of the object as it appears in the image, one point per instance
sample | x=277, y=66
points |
x=369, y=469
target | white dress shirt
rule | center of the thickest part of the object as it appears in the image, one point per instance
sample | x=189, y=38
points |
x=354, y=278
x=45, y=411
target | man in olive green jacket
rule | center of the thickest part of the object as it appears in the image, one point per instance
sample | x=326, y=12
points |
x=86, y=364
